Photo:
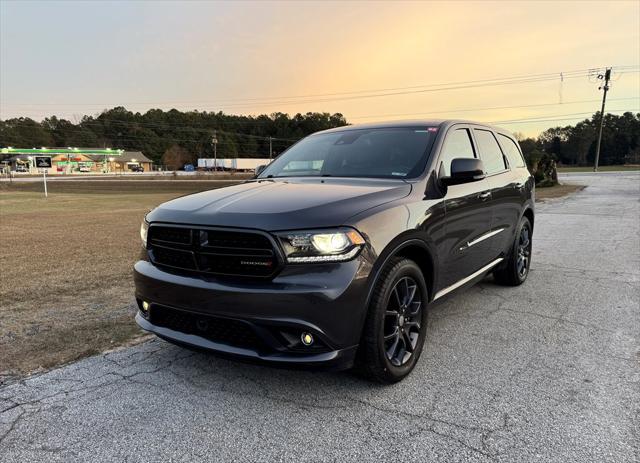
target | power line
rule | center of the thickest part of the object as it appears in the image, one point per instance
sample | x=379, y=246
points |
x=491, y=83
x=549, y=75
x=364, y=96
x=342, y=96
x=445, y=111
x=545, y=116
x=105, y=123
x=538, y=119
x=160, y=127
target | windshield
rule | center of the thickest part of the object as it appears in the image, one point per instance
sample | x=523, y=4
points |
x=384, y=153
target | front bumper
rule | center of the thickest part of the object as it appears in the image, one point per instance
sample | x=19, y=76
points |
x=326, y=300
x=341, y=359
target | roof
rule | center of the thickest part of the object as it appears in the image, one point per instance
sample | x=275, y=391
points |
x=126, y=156
x=442, y=123
x=53, y=151
x=21, y=157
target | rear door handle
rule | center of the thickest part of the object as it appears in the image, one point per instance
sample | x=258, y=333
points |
x=484, y=195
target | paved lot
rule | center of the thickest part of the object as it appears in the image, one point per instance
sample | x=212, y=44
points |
x=549, y=371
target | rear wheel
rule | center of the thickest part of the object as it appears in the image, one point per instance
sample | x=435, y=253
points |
x=516, y=268
x=395, y=327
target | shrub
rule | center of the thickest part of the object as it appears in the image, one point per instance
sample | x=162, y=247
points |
x=546, y=171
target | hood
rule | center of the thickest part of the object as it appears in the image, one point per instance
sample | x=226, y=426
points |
x=281, y=204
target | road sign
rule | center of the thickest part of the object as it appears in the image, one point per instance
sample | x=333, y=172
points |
x=42, y=162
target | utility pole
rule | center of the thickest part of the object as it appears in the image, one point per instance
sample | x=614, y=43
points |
x=270, y=149
x=214, y=142
x=605, y=88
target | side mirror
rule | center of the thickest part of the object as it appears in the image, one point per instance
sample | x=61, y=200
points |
x=259, y=169
x=464, y=170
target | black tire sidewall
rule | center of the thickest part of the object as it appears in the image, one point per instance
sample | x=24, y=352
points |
x=514, y=253
x=403, y=268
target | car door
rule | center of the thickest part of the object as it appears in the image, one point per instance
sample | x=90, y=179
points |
x=502, y=183
x=509, y=193
x=463, y=250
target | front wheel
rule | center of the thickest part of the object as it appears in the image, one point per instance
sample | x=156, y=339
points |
x=516, y=268
x=396, y=323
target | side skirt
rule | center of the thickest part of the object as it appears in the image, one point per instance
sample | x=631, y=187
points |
x=467, y=279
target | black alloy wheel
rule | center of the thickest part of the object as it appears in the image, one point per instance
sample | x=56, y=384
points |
x=515, y=268
x=403, y=321
x=524, y=251
x=395, y=328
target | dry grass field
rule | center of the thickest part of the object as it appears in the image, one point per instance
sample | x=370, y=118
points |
x=65, y=266
x=557, y=191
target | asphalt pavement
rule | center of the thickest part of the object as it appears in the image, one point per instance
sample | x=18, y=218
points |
x=548, y=371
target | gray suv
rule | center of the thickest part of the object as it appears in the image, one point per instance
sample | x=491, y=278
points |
x=333, y=254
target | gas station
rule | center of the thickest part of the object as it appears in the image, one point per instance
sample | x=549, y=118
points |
x=75, y=160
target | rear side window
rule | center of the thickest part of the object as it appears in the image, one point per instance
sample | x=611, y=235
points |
x=457, y=145
x=511, y=150
x=490, y=151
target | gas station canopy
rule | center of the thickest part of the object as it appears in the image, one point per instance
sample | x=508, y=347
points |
x=56, y=151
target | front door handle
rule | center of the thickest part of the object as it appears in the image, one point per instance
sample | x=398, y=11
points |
x=484, y=195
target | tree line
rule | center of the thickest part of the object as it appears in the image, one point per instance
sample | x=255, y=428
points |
x=188, y=135
x=575, y=145
x=159, y=132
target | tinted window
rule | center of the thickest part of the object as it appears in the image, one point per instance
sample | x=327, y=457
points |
x=490, y=152
x=389, y=152
x=511, y=150
x=457, y=145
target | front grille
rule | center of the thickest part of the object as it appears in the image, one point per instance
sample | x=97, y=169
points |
x=228, y=331
x=216, y=252
x=172, y=235
x=174, y=258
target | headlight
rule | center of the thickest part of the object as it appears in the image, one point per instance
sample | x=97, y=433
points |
x=144, y=230
x=321, y=245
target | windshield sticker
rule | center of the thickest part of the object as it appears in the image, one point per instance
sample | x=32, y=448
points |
x=401, y=174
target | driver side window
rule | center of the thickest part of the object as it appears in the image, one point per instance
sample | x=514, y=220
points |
x=457, y=145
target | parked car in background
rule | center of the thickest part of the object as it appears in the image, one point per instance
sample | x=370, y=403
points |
x=136, y=168
x=334, y=253
x=84, y=169
x=21, y=168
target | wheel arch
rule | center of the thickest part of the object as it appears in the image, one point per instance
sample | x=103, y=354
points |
x=411, y=246
x=528, y=213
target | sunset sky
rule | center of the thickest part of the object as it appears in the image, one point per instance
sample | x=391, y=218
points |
x=75, y=58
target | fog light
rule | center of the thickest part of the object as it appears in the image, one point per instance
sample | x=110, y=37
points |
x=145, y=306
x=306, y=338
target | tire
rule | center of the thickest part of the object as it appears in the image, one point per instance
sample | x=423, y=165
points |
x=512, y=273
x=380, y=357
